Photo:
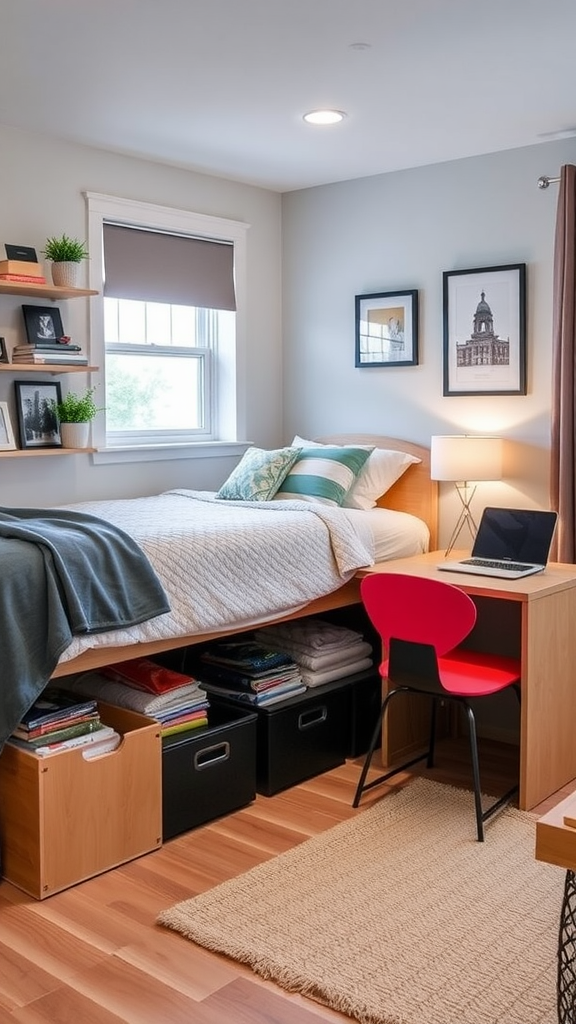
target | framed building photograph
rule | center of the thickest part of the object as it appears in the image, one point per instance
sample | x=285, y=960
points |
x=37, y=419
x=387, y=329
x=485, y=331
x=7, y=441
x=43, y=324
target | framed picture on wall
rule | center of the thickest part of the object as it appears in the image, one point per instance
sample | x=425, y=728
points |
x=387, y=329
x=485, y=331
x=37, y=419
x=7, y=442
x=43, y=324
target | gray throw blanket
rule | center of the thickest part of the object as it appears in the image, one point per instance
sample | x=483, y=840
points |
x=62, y=574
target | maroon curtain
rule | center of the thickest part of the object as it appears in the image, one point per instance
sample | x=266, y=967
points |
x=563, y=454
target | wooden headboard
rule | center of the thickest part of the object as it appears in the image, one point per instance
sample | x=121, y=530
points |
x=414, y=492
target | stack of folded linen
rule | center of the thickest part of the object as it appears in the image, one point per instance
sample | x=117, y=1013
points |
x=174, y=699
x=323, y=652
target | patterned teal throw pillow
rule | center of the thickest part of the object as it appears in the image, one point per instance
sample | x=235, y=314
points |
x=259, y=474
x=323, y=475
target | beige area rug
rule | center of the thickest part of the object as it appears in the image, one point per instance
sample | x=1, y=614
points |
x=398, y=916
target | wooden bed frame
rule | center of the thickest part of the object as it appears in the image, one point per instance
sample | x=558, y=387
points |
x=414, y=492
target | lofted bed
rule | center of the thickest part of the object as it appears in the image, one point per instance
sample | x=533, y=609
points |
x=413, y=495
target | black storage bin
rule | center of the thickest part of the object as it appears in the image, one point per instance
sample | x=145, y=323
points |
x=301, y=736
x=210, y=771
x=365, y=692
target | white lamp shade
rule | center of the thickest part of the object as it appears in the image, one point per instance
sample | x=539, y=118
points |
x=464, y=457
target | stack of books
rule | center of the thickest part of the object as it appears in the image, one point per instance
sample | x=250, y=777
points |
x=173, y=698
x=248, y=672
x=21, y=270
x=59, y=721
x=55, y=352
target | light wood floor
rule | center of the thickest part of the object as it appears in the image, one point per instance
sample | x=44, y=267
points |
x=94, y=955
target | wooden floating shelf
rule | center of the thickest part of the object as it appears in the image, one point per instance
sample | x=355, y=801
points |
x=43, y=291
x=20, y=453
x=46, y=368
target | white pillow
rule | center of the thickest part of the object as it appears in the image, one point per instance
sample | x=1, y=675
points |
x=382, y=469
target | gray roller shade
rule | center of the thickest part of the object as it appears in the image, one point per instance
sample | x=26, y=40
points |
x=153, y=266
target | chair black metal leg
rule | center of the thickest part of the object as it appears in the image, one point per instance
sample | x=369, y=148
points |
x=362, y=784
x=370, y=753
x=432, y=740
x=475, y=771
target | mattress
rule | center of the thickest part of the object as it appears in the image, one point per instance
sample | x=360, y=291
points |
x=227, y=565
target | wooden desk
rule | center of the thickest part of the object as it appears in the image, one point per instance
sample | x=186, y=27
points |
x=535, y=619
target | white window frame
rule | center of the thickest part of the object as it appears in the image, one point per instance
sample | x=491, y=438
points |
x=229, y=387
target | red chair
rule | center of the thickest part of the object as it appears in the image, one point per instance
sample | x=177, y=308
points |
x=421, y=622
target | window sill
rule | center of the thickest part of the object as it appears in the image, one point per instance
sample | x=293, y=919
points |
x=166, y=452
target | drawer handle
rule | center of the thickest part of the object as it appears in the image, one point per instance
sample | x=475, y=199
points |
x=211, y=755
x=313, y=717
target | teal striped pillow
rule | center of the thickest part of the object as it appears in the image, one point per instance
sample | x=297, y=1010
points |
x=323, y=475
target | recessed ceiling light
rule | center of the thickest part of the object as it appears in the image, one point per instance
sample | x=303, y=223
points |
x=324, y=116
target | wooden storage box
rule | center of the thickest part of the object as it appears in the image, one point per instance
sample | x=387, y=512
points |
x=65, y=818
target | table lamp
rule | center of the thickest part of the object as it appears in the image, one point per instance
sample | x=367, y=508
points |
x=465, y=460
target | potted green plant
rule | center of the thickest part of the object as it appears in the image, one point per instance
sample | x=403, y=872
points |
x=65, y=254
x=75, y=413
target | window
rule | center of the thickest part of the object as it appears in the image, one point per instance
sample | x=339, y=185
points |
x=168, y=326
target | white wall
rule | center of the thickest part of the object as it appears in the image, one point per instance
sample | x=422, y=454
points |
x=402, y=230
x=42, y=181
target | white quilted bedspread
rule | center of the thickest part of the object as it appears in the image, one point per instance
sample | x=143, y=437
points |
x=224, y=564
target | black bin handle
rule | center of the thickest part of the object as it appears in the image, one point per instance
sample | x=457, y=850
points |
x=308, y=719
x=209, y=756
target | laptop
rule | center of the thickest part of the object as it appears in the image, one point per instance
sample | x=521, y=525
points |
x=510, y=543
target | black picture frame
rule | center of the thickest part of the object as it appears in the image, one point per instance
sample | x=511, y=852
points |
x=485, y=330
x=43, y=324
x=3, y=351
x=38, y=422
x=387, y=329
x=21, y=252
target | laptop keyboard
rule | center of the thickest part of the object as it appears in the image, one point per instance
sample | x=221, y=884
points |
x=508, y=566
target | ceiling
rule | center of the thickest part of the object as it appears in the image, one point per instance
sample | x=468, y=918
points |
x=220, y=86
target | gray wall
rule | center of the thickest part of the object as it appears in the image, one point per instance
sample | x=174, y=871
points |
x=402, y=230
x=42, y=181
x=309, y=253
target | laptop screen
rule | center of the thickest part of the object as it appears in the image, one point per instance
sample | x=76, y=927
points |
x=519, y=534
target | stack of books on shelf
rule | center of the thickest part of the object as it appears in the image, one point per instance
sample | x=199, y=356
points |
x=173, y=698
x=58, y=721
x=248, y=672
x=24, y=271
x=52, y=352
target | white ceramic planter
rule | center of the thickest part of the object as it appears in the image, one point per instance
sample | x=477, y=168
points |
x=75, y=435
x=65, y=275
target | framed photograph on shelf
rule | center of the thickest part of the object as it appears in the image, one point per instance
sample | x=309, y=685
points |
x=485, y=331
x=37, y=420
x=387, y=329
x=7, y=441
x=43, y=324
